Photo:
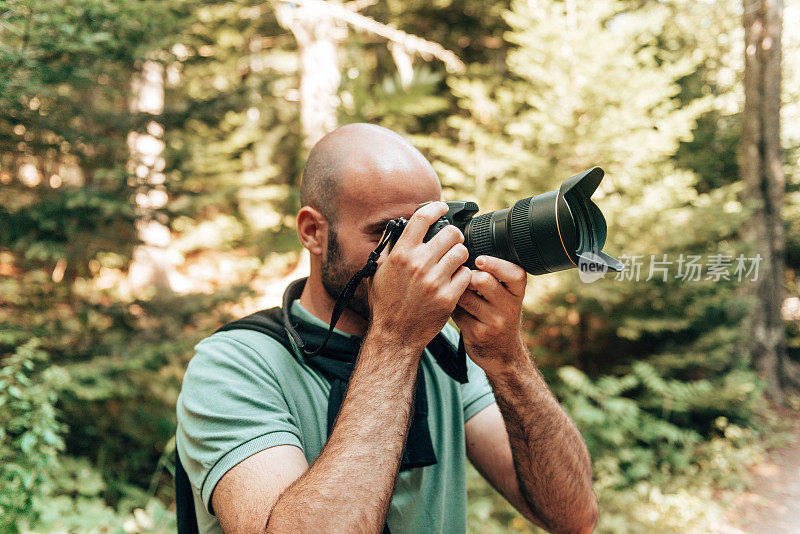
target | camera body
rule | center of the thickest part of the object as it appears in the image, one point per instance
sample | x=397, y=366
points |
x=459, y=214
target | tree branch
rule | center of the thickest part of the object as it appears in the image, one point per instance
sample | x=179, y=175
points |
x=426, y=49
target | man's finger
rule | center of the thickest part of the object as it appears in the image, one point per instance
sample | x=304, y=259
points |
x=473, y=304
x=489, y=287
x=460, y=280
x=513, y=276
x=384, y=254
x=445, y=240
x=451, y=261
x=420, y=221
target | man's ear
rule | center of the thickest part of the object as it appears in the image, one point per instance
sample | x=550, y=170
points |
x=312, y=229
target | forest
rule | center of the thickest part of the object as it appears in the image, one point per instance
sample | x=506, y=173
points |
x=151, y=153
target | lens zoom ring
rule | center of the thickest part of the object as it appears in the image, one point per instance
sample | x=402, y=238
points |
x=522, y=239
x=480, y=235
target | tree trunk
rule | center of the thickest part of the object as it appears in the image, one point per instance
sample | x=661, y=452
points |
x=764, y=186
x=318, y=36
x=152, y=264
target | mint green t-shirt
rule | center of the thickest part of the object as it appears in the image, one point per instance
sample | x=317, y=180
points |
x=243, y=392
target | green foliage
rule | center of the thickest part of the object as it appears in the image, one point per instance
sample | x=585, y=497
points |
x=638, y=420
x=397, y=107
x=232, y=142
x=30, y=439
x=43, y=489
x=692, y=498
x=652, y=472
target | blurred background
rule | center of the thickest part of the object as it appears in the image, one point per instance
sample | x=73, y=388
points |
x=150, y=157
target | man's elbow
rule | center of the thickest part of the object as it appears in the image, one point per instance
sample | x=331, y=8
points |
x=574, y=520
x=589, y=524
x=581, y=523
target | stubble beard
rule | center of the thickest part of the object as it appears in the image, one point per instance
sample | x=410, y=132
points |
x=335, y=274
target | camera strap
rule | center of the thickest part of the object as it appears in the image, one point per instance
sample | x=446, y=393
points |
x=393, y=230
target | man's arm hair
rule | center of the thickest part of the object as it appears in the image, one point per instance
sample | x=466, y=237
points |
x=348, y=488
x=489, y=451
x=551, y=461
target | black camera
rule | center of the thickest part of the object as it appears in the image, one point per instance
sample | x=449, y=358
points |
x=546, y=233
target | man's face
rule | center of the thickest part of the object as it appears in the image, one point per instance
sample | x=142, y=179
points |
x=364, y=207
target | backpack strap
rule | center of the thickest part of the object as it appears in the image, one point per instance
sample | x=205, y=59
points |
x=267, y=322
x=184, y=500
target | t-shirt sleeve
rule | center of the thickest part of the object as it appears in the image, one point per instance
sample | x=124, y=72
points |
x=231, y=406
x=476, y=394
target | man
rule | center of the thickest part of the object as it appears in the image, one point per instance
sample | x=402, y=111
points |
x=251, y=414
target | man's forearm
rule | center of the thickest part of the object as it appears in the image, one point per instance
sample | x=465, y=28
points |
x=348, y=488
x=550, y=457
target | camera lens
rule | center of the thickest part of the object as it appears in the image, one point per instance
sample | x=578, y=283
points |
x=546, y=233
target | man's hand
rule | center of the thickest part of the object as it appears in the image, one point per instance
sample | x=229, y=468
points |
x=417, y=285
x=489, y=313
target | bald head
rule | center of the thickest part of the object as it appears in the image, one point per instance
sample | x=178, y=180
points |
x=358, y=159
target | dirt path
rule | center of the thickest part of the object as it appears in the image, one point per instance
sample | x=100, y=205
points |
x=772, y=505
